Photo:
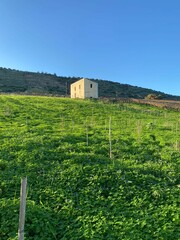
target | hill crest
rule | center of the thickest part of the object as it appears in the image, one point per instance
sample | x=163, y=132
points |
x=25, y=82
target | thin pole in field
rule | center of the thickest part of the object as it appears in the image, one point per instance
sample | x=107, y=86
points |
x=110, y=139
x=22, y=208
x=87, y=137
x=139, y=130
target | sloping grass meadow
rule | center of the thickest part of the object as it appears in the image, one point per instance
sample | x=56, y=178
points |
x=76, y=191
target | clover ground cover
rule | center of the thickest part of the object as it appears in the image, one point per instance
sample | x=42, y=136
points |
x=75, y=191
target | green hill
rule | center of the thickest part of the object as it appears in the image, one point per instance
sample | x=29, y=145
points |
x=95, y=170
x=14, y=81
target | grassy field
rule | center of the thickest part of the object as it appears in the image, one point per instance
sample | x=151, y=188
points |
x=95, y=170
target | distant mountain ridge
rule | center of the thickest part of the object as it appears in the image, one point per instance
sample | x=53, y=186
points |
x=24, y=82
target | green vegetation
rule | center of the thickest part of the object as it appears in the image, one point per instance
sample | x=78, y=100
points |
x=75, y=191
x=21, y=82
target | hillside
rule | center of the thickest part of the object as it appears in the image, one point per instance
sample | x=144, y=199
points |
x=168, y=104
x=14, y=81
x=95, y=170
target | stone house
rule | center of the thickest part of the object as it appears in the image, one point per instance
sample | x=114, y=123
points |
x=84, y=88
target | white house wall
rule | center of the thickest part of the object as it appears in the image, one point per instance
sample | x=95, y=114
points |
x=91, y=89
x=77, y=89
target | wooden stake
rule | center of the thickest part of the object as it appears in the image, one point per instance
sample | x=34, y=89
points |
x=87, y=137
x=22, y=209
x=110, y=141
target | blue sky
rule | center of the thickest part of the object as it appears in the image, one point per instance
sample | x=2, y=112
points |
x=128, y=41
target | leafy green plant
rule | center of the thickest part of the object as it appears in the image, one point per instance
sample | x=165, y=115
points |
x=75, y=190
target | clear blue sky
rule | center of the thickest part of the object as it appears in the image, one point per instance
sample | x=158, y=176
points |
x=128, y=41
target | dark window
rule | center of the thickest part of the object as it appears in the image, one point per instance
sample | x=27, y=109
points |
x=91, y=85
